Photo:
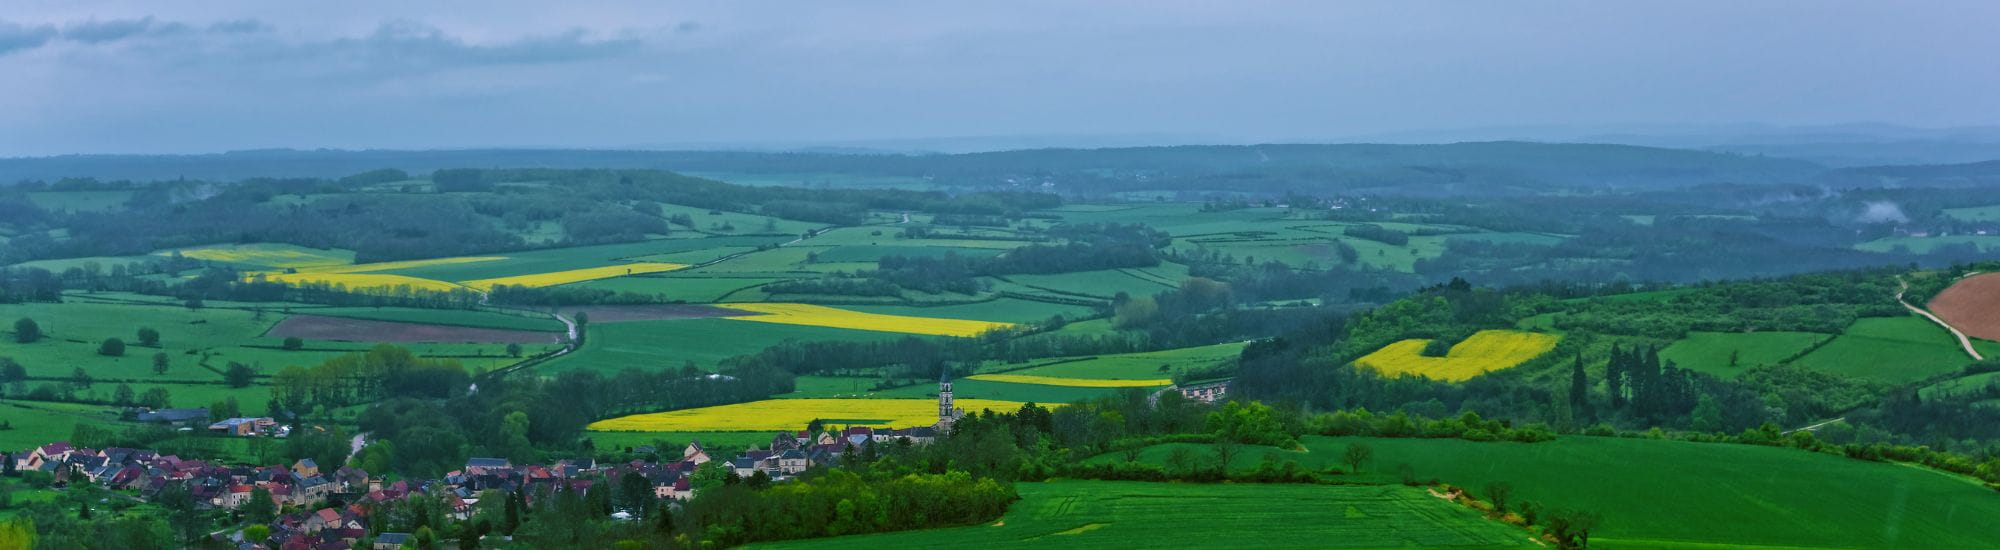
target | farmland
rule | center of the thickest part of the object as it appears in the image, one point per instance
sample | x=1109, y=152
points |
x=822, y=316
x=266, y=255
x=1150, y=365
x=317, y=327
x=1485, y=351
x=357, y=281
x=1115, y=514
x=1079, y=382
x=1890, y=349
x=793, y=414
x=1969, y=305
x=1728, y=353
x=653, y=345
x=1650, y=492
x=575, y=275
x=1974, y=214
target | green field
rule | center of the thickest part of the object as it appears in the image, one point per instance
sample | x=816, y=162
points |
x=1710, y=352
x=1003, y=391
x=683, y=288
x=1127, y=366
x=1961, y=385
x=1974, y=214
x=562, y=259
x=37, y=423
x=1892, y=349
x=1101, y=284
x=718, y=444
x=653, y=345
x=79, y=201
x=1004, y=310
x=1671, y=494
x=1124, y=514
x=451, y=317
x=1924, y=245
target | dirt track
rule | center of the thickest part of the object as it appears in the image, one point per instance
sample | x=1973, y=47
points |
x=1972, y=305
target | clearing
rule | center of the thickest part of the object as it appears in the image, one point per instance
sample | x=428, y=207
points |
x=1483, y=352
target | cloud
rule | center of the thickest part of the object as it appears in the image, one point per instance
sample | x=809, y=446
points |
x=15, y=37
x=239, y=26
x=1882, y=212
x=417, y=44
x=99, y=32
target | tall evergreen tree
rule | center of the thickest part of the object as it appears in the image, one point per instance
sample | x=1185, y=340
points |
x=1579, y=392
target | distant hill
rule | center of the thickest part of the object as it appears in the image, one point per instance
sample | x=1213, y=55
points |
x=1976, y=174
x=1475, y=168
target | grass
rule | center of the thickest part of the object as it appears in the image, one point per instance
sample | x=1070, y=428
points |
x=718, y=444
x=1710, y=352
x=1004, y=310
x=653, y=345
x=682, y=288
x=80, y=201
x=451, y=317
x=1974, y=214
x=403, y=264
x=1102, y=284
x=822, y=316
x=575, y=275
x=1128, y=366
x=1126, y=514
x=793, y=414
x=1924, y=245
x=965, y=389
x=74, y=330
x=576, y=257
x=1672, y=494
x=1961, y=385
x=1889, y=349
x=37, y=423
x=1078, y=382
x=1485, y=351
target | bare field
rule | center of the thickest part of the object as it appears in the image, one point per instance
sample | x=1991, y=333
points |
x=1970, y=306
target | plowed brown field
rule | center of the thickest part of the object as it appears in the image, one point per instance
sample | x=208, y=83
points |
x=1972, y=306
x=314, y=327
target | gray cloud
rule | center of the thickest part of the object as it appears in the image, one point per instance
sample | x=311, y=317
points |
x=99, y=32
x=239, y=26
x=417, y=44
x=15, y=37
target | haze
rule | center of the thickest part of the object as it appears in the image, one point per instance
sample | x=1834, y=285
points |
x=152, y=77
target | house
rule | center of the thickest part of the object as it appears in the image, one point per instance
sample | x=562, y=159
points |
x=305, y=467
x=695, y=453
x=792, y=462
x=243, y=427
x=483, y=466
x=173, y=417
x=391, y=541
x=325, y=518
x=1206, y=392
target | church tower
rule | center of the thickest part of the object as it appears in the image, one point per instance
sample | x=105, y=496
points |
x=947, y=412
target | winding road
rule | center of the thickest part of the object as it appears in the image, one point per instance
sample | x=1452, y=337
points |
x=1962, y=340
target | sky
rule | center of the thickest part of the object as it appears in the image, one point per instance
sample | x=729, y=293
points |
x=81, y=76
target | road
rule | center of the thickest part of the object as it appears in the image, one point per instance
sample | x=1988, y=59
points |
x=1815, y=426
x=1963, y=342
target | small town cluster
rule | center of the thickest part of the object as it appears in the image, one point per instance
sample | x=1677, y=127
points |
x=330, y=509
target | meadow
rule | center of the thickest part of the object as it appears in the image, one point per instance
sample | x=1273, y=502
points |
x=823, y=316
x=1673, y=494
x=1484, y=351
x=1078, y=382
x=37, y=423
x=685, y=288
x=1001, y=310
x=967, y=388
x=1974, y=214
x=1924, y=245
x=1712, y=352
x=793, y=414
x=1150, y=365
x=1892, y=349
x=447, y=317
x=653, y=345
x=1124, y=514
x=554, y=278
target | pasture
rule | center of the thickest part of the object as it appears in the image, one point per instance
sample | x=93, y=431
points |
x=967, y=388
x=80, y=201
x=1150, y=365
x=1925, y=245
x=684, y=287
x=1974, y=214
x=654, y=345
x=1128, y=514
x=1673, y=494
x=1001, y=310
x=1483, y=352
x=775, y=415
x=822, y=316
x=447, y=317
x=1077, y=382
x=1892, y=349
x=317, y=327
x=1727, y=354
x=37, y=423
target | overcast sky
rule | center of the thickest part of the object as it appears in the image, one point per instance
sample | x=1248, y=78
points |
x=78, y=76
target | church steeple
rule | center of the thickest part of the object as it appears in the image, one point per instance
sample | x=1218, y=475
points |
x=947, y=412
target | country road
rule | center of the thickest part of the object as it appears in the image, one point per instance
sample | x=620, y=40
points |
x=1962, y=340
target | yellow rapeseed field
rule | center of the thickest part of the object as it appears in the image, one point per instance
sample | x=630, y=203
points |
x=575, y=275
x=822, y=316
x=358, y=280
x=794, y=414
x=1078, y=382
x=404, y=264
x=1485, y=351
x=270, y=255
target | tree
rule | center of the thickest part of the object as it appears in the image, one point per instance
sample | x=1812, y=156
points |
x=1579, y=392
x=294, y=343
x=156, y=398
x=1225, y=450
x=513, y=350
x=239, y=375
x=257, y=533
x=634, y=491
x=1497, y=493
x=26, y=331
x=80, y=377
x=260, y=508
x=11, y=371
x=161, y=362
x=1357, y=454
x=112, y=347
x=1571, y=528
x=224, y=409
x=149, y=337
x=123, y=396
